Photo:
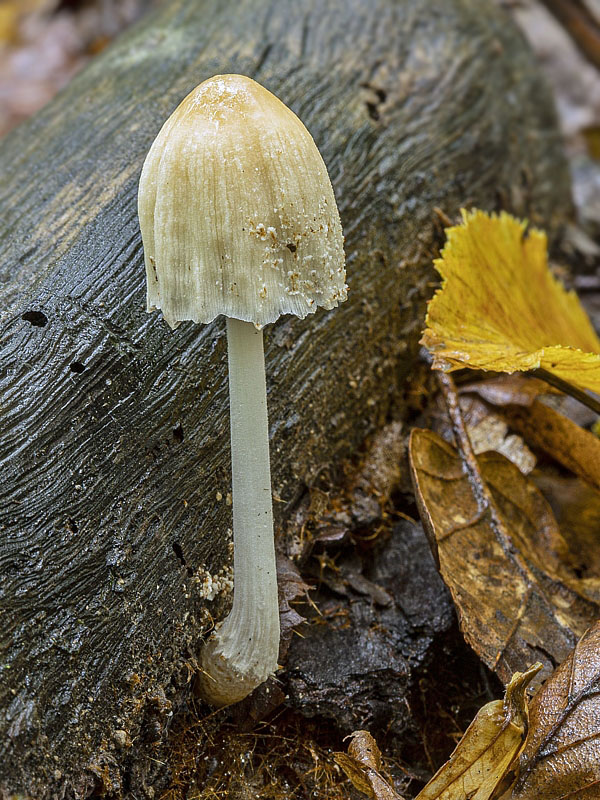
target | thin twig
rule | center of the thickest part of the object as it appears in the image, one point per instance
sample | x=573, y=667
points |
x=463, y=443
x=581, y=24
x=480, y=489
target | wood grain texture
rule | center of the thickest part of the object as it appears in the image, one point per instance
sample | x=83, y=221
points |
x=113, y=430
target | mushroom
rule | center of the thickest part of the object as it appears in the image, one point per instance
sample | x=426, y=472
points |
x=238, y=217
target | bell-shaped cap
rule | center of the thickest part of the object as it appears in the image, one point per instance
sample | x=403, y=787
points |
x=237, y=212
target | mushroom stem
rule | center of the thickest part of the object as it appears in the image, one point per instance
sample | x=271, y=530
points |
x=242, y=653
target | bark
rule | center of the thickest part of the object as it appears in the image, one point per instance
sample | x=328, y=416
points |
x=114, y=430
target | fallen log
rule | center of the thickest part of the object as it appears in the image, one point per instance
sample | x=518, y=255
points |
x=114, y=430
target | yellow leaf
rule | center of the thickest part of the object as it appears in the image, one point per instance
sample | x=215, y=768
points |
x=500, y=308
x=9, y=18
x=490, y=745
x=13, y=11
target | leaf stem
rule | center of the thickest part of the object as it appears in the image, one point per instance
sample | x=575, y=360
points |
x=578, y=394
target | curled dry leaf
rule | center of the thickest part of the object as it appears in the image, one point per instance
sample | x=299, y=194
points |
x=562, y=756
x=362, y=765
x=501, y=309
x=572, y=446
x=576, y=507
x=542, y=426
x=517, y=601
x=488, y=748
x=487, y=430
x=503, y=390
x=290, y=587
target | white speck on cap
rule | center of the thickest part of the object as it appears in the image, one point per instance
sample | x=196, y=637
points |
x=237, y=212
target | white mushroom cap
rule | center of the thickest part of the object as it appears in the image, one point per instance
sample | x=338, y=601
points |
x=237, y=212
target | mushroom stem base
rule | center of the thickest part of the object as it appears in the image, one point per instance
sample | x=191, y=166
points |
x=242, y=653
x=225, y=680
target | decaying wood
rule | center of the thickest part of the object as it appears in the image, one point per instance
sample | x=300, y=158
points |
x=114, y=430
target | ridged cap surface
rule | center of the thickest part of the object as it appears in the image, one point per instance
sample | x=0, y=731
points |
x=237, y=212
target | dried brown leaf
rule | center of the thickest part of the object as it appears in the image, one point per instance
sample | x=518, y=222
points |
x=488, y=748
x=576, y=506
x=487, y=430
x=381, y=470
x=541, y=425
x=362, y=765
x=290, y=587
x=517, y=602
x=521, y=390
x=572, y=446
x=534, y=528
x=562, y=756
x=516, y=389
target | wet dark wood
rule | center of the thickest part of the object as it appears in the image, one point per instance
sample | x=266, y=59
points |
x=114, y=430
x=386, y=616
